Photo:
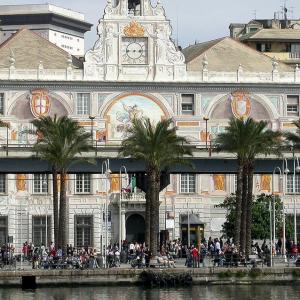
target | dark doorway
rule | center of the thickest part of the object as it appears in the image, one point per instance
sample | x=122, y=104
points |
x=135, y=229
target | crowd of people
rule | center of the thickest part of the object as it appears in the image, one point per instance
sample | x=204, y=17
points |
x=214, y=252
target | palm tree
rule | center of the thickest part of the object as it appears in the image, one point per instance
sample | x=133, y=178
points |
x=294, y=138
x=261, y=140
x=159, y=147
x=62, y=141
x=247, y=139
x=234, y=140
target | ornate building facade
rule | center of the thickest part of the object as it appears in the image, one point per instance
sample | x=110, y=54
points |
x=134, y=70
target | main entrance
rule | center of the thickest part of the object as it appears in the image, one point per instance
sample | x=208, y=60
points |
x=135, y=228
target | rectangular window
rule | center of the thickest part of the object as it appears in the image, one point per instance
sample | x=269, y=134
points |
x=40, y=183
x=290, y=184
x=39, y=225
x=83, y=231
x=187, y=106
x=3, y=230
x=83, y=183
x=292, y=106
x=188, y=184
x=83, y=104
x=2, y=184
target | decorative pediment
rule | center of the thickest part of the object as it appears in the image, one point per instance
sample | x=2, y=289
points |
x=134, y=29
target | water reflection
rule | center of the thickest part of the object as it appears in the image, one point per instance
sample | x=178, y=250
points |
x=132, y=293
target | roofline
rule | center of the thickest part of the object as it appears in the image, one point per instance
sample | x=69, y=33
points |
x=52, y=18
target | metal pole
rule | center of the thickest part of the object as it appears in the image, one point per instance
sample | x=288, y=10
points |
x=21, y=265
x=6, y=139
x=271, y=238
x=106, y=173
x=120, y=206
x=285, y=171
x=274, y=226
x=206, y=131
x=295, y=221
x=189, y=237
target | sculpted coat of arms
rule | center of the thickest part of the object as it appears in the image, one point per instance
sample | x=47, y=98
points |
x=40, y=103
x=240, y=104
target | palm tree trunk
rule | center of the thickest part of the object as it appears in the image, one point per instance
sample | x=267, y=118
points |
x=238, y=206
x=55, y=205
x=148, y=215
x=244, y=211
x=249, y=208
x=154, y=213
x=63, y=213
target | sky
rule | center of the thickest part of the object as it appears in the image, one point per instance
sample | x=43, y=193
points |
x=192, y=20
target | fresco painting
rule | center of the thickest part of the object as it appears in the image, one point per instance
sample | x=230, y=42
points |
x=125, y=110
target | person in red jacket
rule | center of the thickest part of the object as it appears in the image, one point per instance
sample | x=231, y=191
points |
x=195, y=254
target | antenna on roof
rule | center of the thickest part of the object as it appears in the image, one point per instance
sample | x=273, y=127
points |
x=177, y=26
x=254, y=14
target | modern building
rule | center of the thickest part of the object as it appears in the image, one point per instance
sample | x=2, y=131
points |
x=279, y=38
x=62, y=27
x=135, y=69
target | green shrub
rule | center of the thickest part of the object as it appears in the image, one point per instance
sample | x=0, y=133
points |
x=296, y=273
x=255, y=272
x=241, y=274
x=226, y=274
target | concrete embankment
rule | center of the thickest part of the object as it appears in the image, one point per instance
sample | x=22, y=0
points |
x=202, y=276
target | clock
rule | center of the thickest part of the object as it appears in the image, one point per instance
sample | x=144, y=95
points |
x=135, y=51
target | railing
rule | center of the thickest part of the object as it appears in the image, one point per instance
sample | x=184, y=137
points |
x=239, y=75
x=133, y=197
x=294, y=55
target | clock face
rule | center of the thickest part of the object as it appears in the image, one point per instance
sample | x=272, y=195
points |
x=135, y=51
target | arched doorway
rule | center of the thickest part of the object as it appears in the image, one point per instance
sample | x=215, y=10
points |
x=135, y=228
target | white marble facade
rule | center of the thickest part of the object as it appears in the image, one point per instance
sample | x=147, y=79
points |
x=134, y=69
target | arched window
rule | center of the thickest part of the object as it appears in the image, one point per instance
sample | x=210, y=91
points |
x=134, y=7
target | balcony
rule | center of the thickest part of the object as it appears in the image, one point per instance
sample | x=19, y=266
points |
x=130, y=197
x=284, y=56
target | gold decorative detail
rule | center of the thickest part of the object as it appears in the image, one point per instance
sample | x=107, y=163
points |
x=266, y=183
x=240, y=104
x=21, y=182
x=203, y=136
x=134, y=29
x=219, y=182
x=114, y=183
x=188, y=124
x=14, y=135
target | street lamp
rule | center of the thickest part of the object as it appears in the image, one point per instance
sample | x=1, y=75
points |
x=206, y=119
x=296, y=170
x=105, y=170
x=92, y=118
x=274, y=212
x=45, y=185
x=285, y=172
x=120, y=206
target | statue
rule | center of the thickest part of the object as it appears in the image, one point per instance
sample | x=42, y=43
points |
x=21, y=182
x=114, y=183
x=219, y=182
x=266, y=183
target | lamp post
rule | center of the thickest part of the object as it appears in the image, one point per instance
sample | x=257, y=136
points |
x=285, y=172
x=274, y=211
x=45, y=185
x=106, y=171
x=92, y=118
x=296, y=170
x=120, y=205
x=206, y=119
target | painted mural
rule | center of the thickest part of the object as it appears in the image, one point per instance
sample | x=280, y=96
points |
x=126, y=109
